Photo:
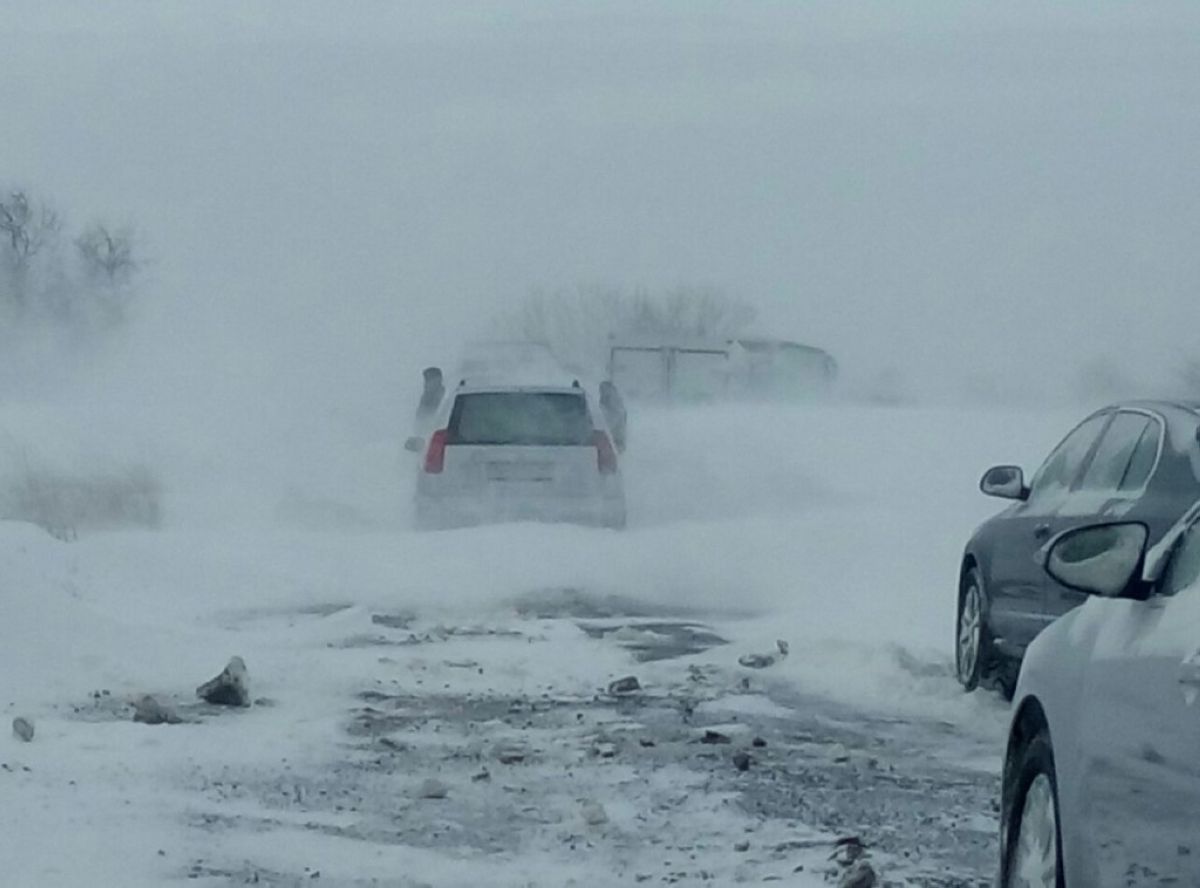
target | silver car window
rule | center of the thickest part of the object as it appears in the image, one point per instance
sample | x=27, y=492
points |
x=1062, y=466
x=1145, y=456
x=1109, y=465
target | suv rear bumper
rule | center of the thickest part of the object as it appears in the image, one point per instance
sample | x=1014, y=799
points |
x=444, y=512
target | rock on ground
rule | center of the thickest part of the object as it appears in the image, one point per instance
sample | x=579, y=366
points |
x=762, y=661
x=593, y=813
x=23, y=729
x=149, y=711
x=230, y=688
x=860, y=875
x=432, y=788
x=626, y=685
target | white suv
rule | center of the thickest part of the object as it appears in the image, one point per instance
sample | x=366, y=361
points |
x=517, y=453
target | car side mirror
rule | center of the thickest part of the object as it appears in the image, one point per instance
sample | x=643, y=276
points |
x=1100, y=559
x=1006, y=482
x=414, y=444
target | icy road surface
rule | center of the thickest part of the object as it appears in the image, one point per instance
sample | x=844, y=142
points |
x=547, y=778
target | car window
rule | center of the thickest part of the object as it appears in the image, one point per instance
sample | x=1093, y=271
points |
x=1145, y=455
x=520, y=418
x=1108, y=467
x=1060, y=469
x=1184, y=568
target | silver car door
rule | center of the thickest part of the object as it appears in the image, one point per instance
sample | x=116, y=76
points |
x=1139, y=791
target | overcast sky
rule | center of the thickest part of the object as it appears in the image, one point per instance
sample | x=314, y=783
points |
x=344, y=191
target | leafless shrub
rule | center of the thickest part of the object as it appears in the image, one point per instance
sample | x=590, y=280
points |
x=39, y=286
x=109, y=263
x=579, y=324
x=28, y=229
x=57, y=500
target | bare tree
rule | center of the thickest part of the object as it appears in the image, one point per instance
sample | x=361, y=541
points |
x=27, y=229
x=107, y=253
x=579, y=325
x=109, y=262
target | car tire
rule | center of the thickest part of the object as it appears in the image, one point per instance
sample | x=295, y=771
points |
x=972, y=639
x=1033, y=834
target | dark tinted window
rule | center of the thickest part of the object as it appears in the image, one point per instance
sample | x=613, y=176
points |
x=527, y=418
x=1059, y=471
x=1145, y=455
x=1112, y=457
x=1184, y=568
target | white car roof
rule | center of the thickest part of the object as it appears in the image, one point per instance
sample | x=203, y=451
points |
x=468, y=388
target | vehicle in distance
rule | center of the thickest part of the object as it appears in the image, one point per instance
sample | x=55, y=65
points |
x=519, y=453
x=1138, y=461
x=703, y=370
x=1101, y=782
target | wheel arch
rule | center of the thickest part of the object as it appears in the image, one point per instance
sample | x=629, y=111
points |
x=970, y=562
x=1029, y=721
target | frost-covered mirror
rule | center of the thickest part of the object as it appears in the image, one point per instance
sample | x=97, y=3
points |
x=1006, y=482
x=1099, y=559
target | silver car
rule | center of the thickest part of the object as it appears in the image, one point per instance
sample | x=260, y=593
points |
x=1101, y=784
x=519, y=453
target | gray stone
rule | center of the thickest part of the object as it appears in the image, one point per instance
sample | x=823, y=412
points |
x=432, y=788
x=762, y=661
x=860, y=874
x=23, y=729
x=510, y=755
x=593, y=813
x=230, y=688
x=627, y=685
x=848, y=849
x=147, y=710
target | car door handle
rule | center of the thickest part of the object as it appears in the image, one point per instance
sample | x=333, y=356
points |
x=1041, y=532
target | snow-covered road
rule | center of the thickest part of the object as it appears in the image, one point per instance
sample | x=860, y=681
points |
x=480, y=659
x=547, y=778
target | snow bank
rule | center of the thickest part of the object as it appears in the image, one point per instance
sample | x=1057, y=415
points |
x=838, y=528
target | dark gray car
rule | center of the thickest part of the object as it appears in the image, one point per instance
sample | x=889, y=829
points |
x=1138, y=461
x=1101, y=783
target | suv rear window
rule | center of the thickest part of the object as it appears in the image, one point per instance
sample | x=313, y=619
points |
x=521, y=418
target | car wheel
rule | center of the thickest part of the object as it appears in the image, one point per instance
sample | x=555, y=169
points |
x=972, y=648
x=1033, y=856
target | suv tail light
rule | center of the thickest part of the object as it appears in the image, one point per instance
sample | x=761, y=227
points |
x=435, y=456
x=606, y=456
